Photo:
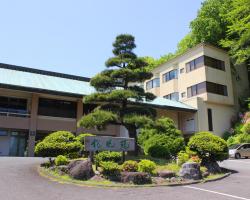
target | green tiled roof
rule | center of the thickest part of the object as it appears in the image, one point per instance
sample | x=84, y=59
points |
x=163, y=102
x=28, y=79
x=44, y=82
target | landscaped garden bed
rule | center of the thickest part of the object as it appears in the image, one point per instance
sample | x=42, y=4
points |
x=165, y=174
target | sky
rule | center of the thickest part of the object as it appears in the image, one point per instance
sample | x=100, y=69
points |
x=76, y=36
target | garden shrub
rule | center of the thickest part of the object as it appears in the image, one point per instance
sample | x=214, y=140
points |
x=210, y=148
x=147, y=166
x=163, y=146
x=237, y=128
x=110, y=169
x=238, y=139
x=162, y=140
x=182, y=157
x=130, y=166
x=106, y=156
x=58, y=143
x=61, y=160
x=246, y=128
x=226, y=135
x=157, y=150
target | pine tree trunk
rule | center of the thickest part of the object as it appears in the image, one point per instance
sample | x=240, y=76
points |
x=133, y=134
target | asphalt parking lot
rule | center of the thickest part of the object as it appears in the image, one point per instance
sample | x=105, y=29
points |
x=20, y=181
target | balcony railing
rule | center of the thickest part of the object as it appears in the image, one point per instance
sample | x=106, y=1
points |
x=14, y=113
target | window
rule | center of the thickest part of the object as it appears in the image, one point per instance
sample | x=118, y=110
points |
x=214, y=63
x=153, y=83
x=207, y=61
x=173, y=96
x=88, y=108
x=217, y=88
x=196, y=89
x=57, y=108
x=3, y=133
x=210, y=119
x=195, y=64
x=183, y=94
x=170, y=75
x=181, y=70
x=207, y=87
x=13, y=105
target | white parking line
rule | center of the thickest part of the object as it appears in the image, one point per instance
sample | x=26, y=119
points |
x=219, y=193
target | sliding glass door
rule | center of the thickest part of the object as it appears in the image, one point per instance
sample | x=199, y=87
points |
x=18, y=142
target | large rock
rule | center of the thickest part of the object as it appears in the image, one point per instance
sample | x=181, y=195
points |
x=138, y=178
x=82, y=170
x=190, y=171
x=73, y=163
x=166, y=174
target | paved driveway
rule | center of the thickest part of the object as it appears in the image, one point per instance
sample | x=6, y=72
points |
x=19, y=181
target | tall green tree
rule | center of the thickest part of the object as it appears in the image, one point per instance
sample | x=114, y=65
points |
x=237, y=39
x=210, y=25
x=153, y=63
x=223, y=23
x=117, y=96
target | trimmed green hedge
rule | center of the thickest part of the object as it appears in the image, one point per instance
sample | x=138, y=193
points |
x=110, y=169
x=58, y=143
x=161, y=140
x=108, y=156
x=147, y=166
x=208, y=146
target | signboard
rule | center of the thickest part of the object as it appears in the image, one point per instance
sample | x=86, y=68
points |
x=108, y=143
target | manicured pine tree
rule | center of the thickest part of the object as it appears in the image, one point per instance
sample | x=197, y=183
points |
x=119, y=100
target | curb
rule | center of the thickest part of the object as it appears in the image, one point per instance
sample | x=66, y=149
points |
x=45, y=174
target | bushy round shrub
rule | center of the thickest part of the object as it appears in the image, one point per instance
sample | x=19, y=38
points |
x=61, y=160
x=157, y=150
x=58, y=143
x=130, y=166
x=163, y=146
x=106, y=156
x=246, y=128
x=110, y=169
x=146, y=166
x=208, y=147
x=162, y=140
